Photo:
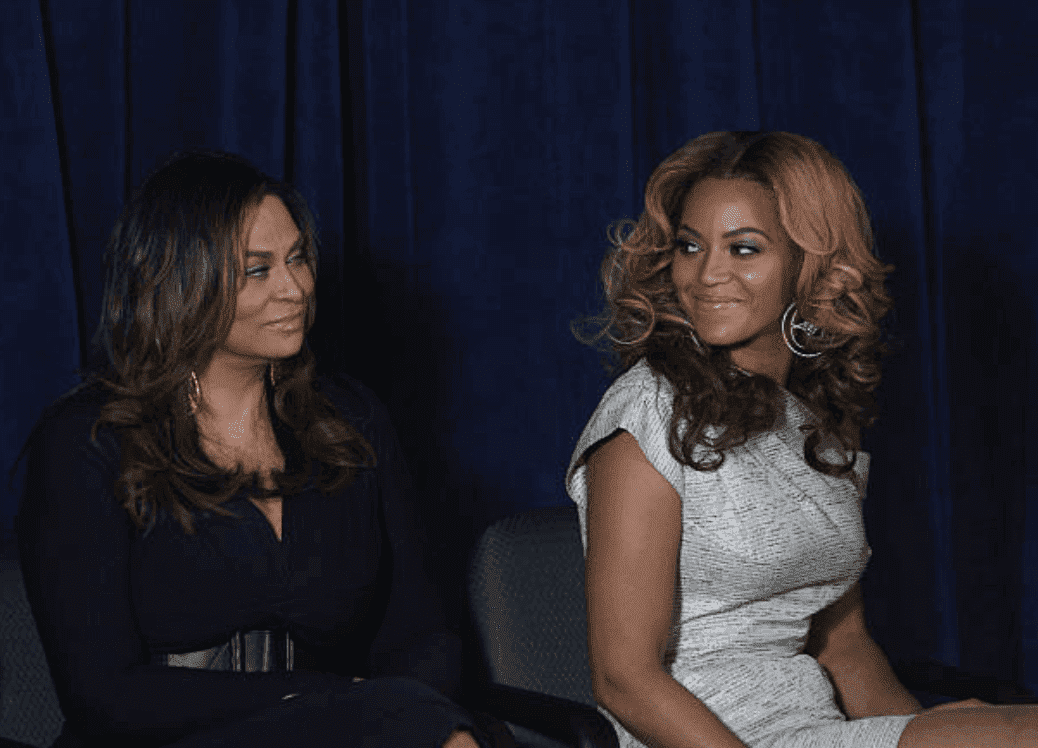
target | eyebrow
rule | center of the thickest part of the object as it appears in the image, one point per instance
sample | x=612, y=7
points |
x=733, y=232
x=266, y=255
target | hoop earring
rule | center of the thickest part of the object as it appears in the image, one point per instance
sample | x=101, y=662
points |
x=194, y=395
x=808, y=329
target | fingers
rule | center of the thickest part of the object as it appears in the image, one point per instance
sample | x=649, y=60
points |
x=966, y=704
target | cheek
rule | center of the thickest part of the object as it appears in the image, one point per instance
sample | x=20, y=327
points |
x=249, y=307
x=769, y=284
x=681, y=271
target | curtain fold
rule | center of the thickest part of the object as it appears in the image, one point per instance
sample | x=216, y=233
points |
x=39, y=337
x=464, y=160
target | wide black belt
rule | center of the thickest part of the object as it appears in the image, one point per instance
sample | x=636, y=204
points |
x=255, y=651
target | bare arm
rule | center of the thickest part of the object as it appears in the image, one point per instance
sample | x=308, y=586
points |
x=634, y=530
x=865, y=682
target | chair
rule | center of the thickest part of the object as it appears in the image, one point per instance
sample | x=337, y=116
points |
x=29, y=711
x=30, y=716
x=526, y=601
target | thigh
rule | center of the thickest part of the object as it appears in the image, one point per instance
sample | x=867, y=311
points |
x=974, y=727
x=375, y=713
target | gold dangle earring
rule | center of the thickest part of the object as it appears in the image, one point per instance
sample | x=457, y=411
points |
x=194, y=395
x=272, y=382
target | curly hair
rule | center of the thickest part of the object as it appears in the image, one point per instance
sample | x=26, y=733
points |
x=840, y=289
x=173, y=268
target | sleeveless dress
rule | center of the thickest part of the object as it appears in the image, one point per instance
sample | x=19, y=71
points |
x=766, y=543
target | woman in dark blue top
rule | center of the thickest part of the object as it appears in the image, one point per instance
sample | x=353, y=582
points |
x=218, y=546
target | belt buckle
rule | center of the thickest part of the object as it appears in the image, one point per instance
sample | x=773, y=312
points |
x=261, y=651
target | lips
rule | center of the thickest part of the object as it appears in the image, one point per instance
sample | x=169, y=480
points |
x=286, y=320
x=718, y=299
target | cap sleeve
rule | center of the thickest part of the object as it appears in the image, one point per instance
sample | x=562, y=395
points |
x=641, y=404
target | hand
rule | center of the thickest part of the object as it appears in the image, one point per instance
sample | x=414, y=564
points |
x=965, y=704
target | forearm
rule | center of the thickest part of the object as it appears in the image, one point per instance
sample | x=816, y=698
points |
x=659, y=711
x=866, y=684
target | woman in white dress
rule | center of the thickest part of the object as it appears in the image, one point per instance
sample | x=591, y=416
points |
x=719, y=482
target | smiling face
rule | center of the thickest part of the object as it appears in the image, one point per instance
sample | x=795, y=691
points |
x=276, y=284
x=734, y=271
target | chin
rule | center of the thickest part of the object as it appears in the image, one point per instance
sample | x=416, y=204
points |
x=280, y=351
x=721, y=338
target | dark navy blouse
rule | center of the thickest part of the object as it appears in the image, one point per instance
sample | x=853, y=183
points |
x=346, y=580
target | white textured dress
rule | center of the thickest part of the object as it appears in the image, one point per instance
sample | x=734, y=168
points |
x=766, y=542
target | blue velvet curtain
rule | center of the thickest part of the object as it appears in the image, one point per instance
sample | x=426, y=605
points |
x=464, y=159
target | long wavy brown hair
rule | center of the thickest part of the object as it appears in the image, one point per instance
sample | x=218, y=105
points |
x=840, y=288
x=173, y=267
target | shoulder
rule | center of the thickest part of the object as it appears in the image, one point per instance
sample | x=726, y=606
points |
x=641, y=388
x=71, y=417
x=639, y=402
x=640, y=393
x=63, y=445
x=642, y=376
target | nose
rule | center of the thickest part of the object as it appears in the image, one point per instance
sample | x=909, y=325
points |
x=716, y=267
x=288, y=282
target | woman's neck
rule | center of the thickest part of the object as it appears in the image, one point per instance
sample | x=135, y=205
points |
x=234, y=402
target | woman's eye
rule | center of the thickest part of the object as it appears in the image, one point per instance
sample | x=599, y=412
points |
x=258, y=270
x=742, y=250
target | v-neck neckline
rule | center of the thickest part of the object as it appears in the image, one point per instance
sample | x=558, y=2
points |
x=268, y=523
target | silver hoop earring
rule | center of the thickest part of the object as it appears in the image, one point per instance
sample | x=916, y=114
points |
x=195, y=393
x=805, y=327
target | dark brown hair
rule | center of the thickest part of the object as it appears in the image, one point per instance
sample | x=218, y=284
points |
x=839, y=289
x=173, y=268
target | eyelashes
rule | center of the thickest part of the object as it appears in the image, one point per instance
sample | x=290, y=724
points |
x=257, y=271
x=682, y=246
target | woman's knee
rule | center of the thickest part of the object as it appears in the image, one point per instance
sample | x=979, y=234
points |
x=400, y=688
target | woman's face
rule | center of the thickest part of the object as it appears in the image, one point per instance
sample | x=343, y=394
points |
x=269, y=321
x=734, y=270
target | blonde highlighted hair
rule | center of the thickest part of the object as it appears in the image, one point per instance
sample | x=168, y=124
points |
x=840, y=288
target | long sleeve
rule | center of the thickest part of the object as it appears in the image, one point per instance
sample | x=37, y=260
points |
x=412, y=638
x=74, y=542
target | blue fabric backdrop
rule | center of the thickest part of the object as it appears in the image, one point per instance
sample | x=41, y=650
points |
x=464, y=159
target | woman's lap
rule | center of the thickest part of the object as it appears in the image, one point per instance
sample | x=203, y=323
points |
x=870, y=732
x=376, y=713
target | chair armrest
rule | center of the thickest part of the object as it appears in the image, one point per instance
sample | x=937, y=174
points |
x=570, y=722
x=933, y=677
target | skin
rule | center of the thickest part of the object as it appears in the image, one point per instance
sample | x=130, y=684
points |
x=275, y=287
x=634, y=515
x=234, y=421
x=461, y=739
x=730, y=244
